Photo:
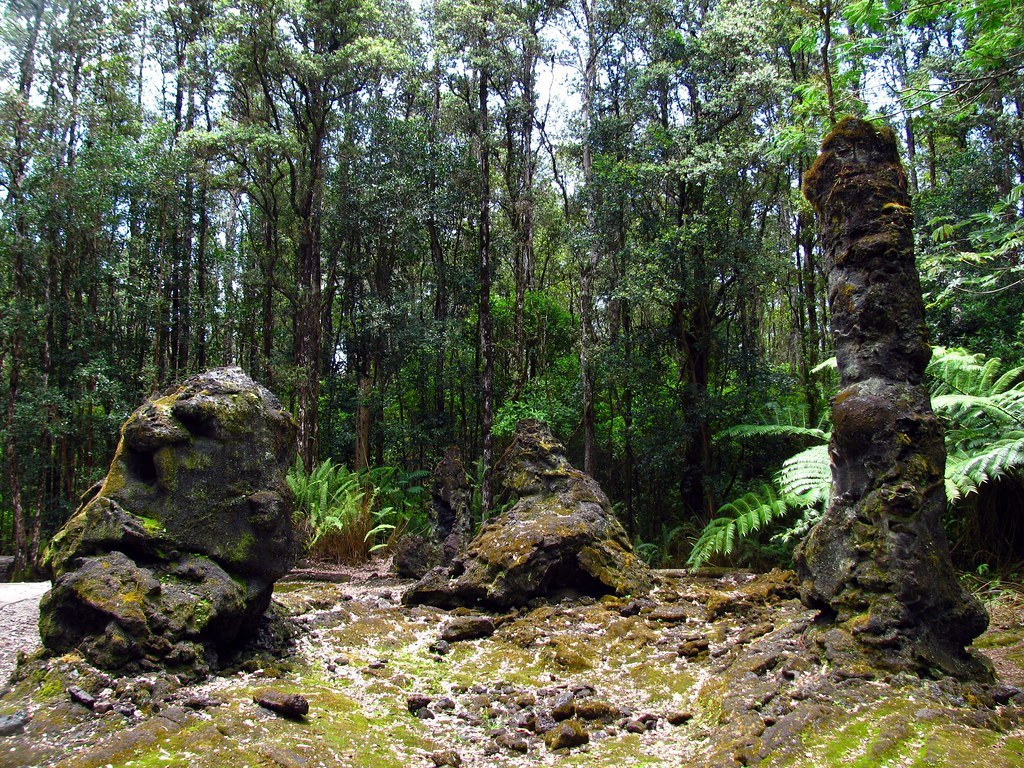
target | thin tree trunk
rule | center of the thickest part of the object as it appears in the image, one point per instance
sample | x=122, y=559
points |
x=24, y=555
x=590, y=265
x=486, y=350
x=826, y=58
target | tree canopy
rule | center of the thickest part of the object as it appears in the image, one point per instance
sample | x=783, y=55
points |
x=419, y=223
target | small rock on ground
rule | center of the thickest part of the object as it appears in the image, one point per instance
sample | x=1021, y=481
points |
x=467, y=628
x=285, y=704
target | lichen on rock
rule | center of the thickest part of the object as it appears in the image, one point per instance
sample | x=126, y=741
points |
x=560, y=532
x=878, y=561
x=174, y=556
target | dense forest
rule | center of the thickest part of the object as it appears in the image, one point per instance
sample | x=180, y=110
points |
x=417, y=224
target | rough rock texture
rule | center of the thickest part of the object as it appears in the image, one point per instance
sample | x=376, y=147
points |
x=450, y=521
x=878, y=560
x=450, y=515
x=760, y=696
x=561, y=533
x=174, y=556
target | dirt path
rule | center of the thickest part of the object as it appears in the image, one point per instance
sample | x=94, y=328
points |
x=19, y=616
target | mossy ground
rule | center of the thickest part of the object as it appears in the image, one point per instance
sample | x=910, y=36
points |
x=756, y=695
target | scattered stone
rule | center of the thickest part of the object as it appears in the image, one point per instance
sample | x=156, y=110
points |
x=524, y=700
x=693, y=647
x=512, y=741
x=595, y=709
x=635, y=726
x=424, y=714
x=173, y=557
x=561, y=527
x=490, y=748
x=200, y=702
x=446, y=757
x=417, y=701
x=103, y=707
x=82, y=697
x=748, y=598
x=566, y=735
x=1002, y=693
x=564, y=707
x=467, y=628
x=290, y=705
x=440, y=647
x=679, y=717
x=543, y=722
x=12, y=724
x=527, y=720
x=445, y=704
x=670, y=614
x=632, y=608
x=377, y=664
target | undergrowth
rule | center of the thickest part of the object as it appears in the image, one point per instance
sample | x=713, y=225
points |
x=345, y=516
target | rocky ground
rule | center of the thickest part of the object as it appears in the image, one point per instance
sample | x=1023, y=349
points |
x=19, y=614
x=706, y=672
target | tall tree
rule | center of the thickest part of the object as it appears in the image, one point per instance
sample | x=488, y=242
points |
x=307, y=58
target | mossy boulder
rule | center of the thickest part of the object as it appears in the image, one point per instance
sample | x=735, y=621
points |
x=560, y=533
x=173, y=557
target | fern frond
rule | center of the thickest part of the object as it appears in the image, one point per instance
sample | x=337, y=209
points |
x=739, y=518
x=778, y=421
x=832, y=364
x=807, y=475
x=1005, y=409
x=744, y=431
x=1000, y=458
x=958, y=484
x=1011, y=379
x=969, y=373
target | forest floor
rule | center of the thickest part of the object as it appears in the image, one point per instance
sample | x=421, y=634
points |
x=706, y=672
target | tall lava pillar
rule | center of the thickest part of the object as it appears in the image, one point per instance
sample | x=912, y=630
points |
x=878, y=563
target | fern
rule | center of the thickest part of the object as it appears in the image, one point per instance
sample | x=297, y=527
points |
x=981, y=405
x=807, y=476
x=790, y=421
x=740, y=518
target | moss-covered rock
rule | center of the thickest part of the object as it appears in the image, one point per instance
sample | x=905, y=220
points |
x=561, y=533
x=174, y=556
x=878, y=561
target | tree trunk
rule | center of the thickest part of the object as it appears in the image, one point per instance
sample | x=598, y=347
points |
x=486, y=348
x=589, y=266
x=308, y=340
x=24, y=554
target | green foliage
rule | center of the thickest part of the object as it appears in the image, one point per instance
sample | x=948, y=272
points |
x=980, y=251
x=660, y=552
x=300, y=195
x=981, y=405
x=343, y=514
x=779, y=421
